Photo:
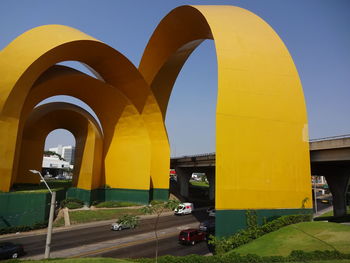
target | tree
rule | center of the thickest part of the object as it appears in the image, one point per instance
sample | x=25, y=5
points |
x=50, y=153
x=157, y=207
x=128, y=220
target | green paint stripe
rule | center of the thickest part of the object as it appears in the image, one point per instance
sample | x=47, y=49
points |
x=228, y=222
x=110, y=194
x=159, y=194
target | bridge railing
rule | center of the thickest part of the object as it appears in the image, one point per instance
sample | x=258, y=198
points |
x=345, y=136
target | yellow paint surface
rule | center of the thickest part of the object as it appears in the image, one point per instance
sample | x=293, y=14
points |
x=48, y=117
x=262, y=155
x=128, y=143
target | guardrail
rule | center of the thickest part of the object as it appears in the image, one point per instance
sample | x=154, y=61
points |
x=345, y=136
x=195, y=155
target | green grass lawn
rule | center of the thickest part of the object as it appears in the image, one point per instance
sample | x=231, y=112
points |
x=330, y=213
x=114, y=260
x=307, y=236
x=75, y=260
x=200, y=184
x=85, y=216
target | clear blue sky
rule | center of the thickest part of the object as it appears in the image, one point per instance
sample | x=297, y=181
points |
x=317, y=34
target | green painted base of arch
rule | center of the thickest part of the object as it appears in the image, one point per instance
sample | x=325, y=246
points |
x=109, y=194
x=228, y=222
x=159, y=194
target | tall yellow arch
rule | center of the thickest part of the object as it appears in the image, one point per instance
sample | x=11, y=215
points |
x=262, y=157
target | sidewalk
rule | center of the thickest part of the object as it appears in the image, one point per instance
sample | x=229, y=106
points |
x=323, y=211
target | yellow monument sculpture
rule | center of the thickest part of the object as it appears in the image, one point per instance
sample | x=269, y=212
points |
x=262, y=155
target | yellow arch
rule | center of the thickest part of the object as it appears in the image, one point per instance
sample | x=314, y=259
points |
x=26, y=58
x=262, y=157
x=122, y=125
x=86, y=131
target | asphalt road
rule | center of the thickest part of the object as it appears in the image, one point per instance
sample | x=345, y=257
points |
x=35, y=245
x=77, y=238
x=167, y=246
x=321, y=206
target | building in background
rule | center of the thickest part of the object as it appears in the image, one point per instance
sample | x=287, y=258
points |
x=67, y=152
x=54, y=166
x=58, y=162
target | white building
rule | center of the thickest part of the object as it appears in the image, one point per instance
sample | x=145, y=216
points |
x=67, y=152
x=52, y=166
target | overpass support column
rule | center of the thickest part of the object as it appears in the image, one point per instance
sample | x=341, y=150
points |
x=183, y=178
x=338, y=184
x=211, y=178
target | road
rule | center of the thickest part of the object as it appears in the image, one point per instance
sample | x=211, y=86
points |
x=100, y=241
x=167, y=246
x=76, y=242
x=321, y=206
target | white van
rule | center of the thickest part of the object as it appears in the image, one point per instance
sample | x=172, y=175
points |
x=184, y=209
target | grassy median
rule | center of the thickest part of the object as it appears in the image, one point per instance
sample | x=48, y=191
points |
x=85, y=216
x=199, y=184
x=330, y=213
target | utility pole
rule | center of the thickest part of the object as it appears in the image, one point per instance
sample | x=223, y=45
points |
x=52, y=210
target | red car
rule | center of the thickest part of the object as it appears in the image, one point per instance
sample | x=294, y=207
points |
x=192, y=236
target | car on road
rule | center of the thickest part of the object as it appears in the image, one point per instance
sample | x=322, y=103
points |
x=207, y=226
x=210, y=209
x=10, y=250
x=326, y=201
x=121, y=226
x=125, y=221
x=192, y=236
x=184, y=209
x=212, y=213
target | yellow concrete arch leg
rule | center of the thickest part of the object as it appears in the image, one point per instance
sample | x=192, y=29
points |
x=89, y=142
x=262, y=157
x=26, y=58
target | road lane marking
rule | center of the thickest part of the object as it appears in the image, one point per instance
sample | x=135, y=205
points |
x=129, y=244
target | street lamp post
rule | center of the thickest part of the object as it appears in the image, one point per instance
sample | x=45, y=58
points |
x=52, y=209
x=315, y=196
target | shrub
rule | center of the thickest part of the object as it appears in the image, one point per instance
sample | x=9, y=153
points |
x=254, y=231
x=110, y=204
x=295, y=256
x=129, y=220
x=96, y=202
x=299, y=255
x=72, y=203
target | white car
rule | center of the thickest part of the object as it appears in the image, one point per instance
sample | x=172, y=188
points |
x=212, y=213
x=184, y=209
x=120, y=226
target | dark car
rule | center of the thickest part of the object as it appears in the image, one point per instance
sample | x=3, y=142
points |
x=192, y=236
x=10, y=250
x=207, y=226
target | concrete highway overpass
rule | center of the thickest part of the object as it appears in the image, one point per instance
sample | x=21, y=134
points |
x=329, y=157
